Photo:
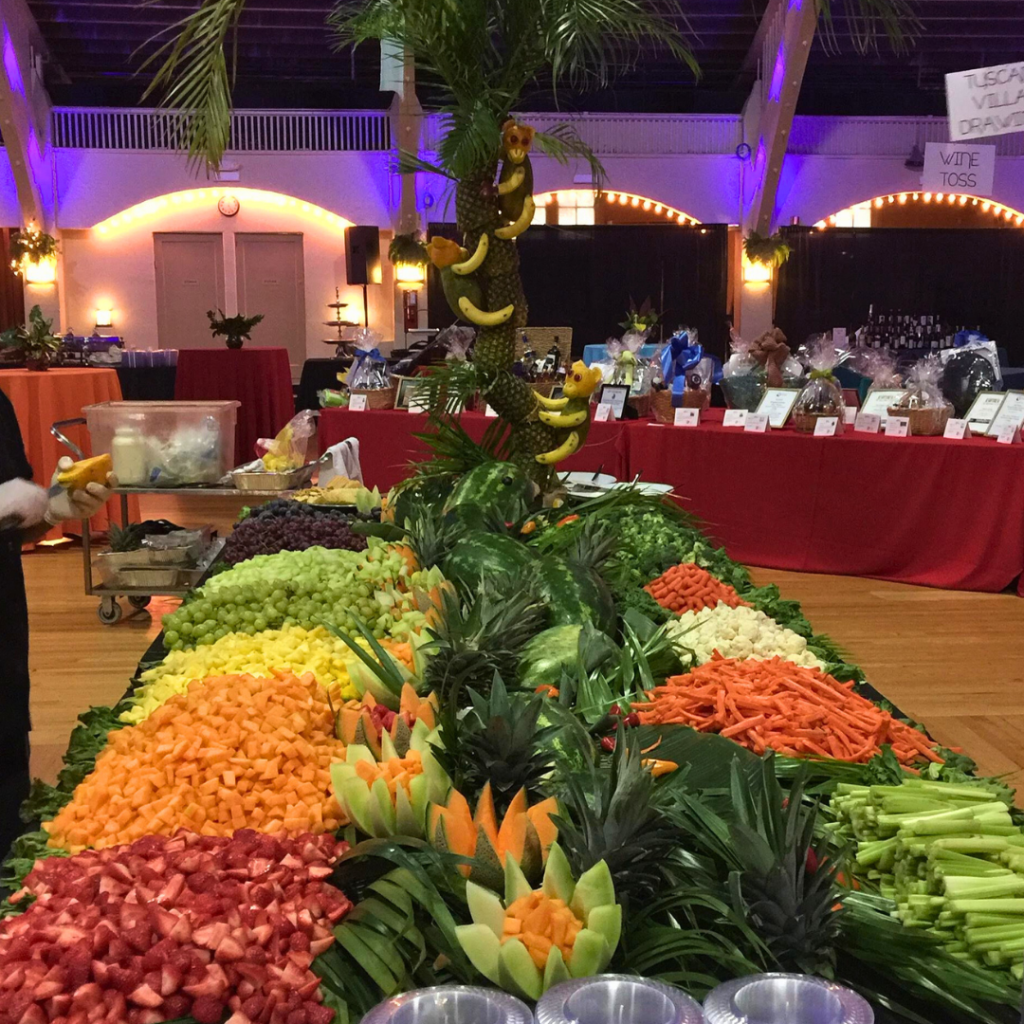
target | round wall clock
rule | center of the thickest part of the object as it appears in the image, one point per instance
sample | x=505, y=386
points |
x=228, y=205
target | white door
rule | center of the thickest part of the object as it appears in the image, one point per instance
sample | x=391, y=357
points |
x=189, y=281
x=271, y=282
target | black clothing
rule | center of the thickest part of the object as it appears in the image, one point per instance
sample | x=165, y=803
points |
x=14, y=685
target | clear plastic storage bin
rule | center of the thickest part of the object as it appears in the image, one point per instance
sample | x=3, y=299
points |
x=165, y=444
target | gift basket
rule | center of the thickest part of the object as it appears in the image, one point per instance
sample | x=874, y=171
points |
x=822, y=395
x=879, y=366
x=969, y=369
x=782, y=368
x=744, y=377
x=630, y=369
x=687, y=374
x=923, y=403
x=369, y=374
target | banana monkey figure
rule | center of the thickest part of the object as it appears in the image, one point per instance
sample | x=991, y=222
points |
x=571, y=412
x=515, y=182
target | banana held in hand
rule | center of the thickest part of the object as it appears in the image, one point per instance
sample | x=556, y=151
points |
x=474, y=261
x=517, y=227
x=563, y=451
x=512, y=182
x=572, y=411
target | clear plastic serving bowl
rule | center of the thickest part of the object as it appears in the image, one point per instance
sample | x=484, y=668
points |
x=451, y=1004
x=181, y=443
x=617, y=999
x=785, y=999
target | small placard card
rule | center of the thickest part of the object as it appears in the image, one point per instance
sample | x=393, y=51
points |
x=850, y=415
x=757, y=423
x=490, y=412
x=686, y=417
x=603, y=412
x=867, y=423
x=1010, y=412
x=357, y=403
x=734, y=418
x=897, y=426
x=1009, y=433
x=614, y=395
x=956, y=430
x=777, y=404
x=878, y=402
x=826, y=426
x=984, y=410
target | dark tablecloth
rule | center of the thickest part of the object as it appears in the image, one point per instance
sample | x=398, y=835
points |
x=917, y=510
x=259, y=378
x=318, y=374
x=386, y=444
x=147, y=383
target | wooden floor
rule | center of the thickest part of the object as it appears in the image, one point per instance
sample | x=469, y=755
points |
x=952, y=660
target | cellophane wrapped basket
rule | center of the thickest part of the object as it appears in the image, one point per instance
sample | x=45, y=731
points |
x=821, y=395
x=923, y=402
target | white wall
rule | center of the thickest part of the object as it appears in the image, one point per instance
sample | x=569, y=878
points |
x=95, y=184
x=116, y=270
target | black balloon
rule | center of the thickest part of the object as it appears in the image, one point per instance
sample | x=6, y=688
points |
x=964, y=377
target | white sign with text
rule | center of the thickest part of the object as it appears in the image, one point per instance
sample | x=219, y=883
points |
x=958, y=167
x=734, y=418
x=956, y=430
x=603, y=413
x=357, y=403
x=686, y=417
x=491, y=413
x=984, y=102
x=867, y=423
x=756, y=423
x=826, y=426
x=897, y=426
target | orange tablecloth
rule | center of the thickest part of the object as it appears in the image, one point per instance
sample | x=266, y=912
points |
x=40, y=399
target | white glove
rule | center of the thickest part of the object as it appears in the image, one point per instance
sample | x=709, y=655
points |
x=22, y=504
x=80, y=503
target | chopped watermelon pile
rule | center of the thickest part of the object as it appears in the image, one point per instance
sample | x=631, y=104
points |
x=170, y=927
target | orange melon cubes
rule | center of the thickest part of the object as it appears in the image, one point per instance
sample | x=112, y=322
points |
x=232, y=752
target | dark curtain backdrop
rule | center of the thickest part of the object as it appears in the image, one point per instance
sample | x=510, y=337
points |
x=583, y=277
x=12, y=291
x=973, y=277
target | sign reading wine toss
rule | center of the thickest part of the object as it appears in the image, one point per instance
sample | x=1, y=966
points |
x=985, y=101
x=958, y=167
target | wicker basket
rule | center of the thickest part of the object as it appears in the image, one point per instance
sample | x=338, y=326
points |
x=643, y=404
x=542, y=338
x=378, y=398
x=924, y=422
x=661, y=406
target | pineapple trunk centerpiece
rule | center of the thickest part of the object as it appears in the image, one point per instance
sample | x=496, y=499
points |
x=483, y=286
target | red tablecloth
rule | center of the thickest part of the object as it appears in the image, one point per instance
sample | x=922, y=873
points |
x=921, y=510
x=259, y=378
x=386, y=444
x=41, y=399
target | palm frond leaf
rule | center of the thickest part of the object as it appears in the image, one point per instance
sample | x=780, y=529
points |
x=195, y=79
x=868, y=22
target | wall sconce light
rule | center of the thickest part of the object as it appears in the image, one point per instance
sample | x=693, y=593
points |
x=756, y=273
x=41, y=271
x=410, y=275
x=104, y=318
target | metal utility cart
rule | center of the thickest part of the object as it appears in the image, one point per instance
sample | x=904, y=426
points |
x=109, y=611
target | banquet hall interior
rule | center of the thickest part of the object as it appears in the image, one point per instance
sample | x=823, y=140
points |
x=782, y=239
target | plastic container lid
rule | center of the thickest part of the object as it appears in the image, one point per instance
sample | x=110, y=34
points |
x=617, y=999
x=785, y=999
x=451, y=1004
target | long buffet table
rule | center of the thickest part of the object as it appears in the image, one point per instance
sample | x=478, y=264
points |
x=923, y=510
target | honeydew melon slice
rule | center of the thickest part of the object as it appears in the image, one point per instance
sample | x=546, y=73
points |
x=407, y=821
x=558, y=881
x=607, y=922
x=381, y=810
x=482, y=947
x=517, y=973
x=516, y=884
x=555, y=971
x=595, y=888
x=354, y=796
x=485, y=908
x=589, y=954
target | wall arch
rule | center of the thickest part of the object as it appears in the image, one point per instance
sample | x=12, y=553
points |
x=617, y=197
x=997, y=210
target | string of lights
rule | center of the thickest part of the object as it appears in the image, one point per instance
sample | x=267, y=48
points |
x=848, y=216
x=571, y=198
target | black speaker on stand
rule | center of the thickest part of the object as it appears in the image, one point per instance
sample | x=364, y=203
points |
x=362, y=259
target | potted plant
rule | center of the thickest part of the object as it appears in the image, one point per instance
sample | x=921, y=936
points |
x=767, y=250
x=236, y=329
x=35, y=341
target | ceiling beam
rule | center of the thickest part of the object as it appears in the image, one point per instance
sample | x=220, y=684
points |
x=789, y=27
